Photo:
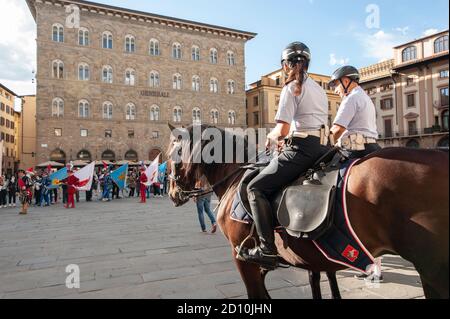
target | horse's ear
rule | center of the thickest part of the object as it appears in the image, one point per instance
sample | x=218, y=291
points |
x=171, y=127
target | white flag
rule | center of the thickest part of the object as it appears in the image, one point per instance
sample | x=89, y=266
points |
x=85, y=175
x=152, y=171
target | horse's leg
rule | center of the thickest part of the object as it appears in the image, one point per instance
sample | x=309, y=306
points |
x=429, y=291
x=334, y=285
x=253, y=279
x=314, y=281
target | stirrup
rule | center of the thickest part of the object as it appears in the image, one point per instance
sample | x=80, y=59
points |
x=267, y=266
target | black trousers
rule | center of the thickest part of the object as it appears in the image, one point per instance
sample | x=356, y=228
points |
x=290, y=165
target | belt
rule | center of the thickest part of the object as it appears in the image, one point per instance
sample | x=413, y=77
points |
x=356, y=142
x=305, y=134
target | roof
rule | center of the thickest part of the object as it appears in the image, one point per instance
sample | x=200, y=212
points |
x=422, y=38
x=437, y=57
x=6, y=89
x=147, y=15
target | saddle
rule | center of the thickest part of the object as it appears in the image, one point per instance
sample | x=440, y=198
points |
x=304, y=208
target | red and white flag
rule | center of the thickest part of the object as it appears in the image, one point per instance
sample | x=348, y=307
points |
x=85, y=175
x=152, y=171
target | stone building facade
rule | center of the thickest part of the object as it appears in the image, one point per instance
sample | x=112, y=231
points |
x=108, y=88
x=263, y=98
x=27, y=132
x=8, y=130
x=410, y=93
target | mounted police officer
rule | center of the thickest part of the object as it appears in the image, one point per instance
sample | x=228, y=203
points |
x=355, y=125
x=302, y=117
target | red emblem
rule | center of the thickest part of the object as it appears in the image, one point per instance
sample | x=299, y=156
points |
x=350, y=253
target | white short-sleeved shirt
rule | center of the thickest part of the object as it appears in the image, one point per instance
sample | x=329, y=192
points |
x=357, y=114
x=308, y=111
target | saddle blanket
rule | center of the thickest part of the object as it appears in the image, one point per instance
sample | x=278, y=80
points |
x=339, y=244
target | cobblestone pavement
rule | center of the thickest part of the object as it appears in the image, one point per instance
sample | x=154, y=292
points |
x=130, y=250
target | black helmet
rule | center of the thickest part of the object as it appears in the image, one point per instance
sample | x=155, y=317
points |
x=346, y=71
x=295, y=52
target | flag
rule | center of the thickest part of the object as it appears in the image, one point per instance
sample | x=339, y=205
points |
x=105, y=166
x=119, y=176
x=85, y=175
x=152, y=171
x=57, y=177
x=162, y=172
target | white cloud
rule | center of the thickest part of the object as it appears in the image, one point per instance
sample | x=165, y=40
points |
x=20, y=87
x=430, y=32
x=17, y=45
x=380, y=44
x=403, y=31
x=337, y=61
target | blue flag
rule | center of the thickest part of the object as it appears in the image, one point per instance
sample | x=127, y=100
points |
x=163, y=167
x=57, y=177
x=119, y=176
x=162, y=172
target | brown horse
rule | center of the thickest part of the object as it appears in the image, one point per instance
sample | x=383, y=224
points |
x=397, y=201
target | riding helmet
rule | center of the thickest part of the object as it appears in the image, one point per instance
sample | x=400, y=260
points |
x=295, y=52
x=346, y=71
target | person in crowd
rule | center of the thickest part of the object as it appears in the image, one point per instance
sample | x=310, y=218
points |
x=45, y=191
x=143, y=184
x=72, y=182
x=25, y=194
x=12, y=190
x=204, y=205
x=131, y=184
x=107, y=186
x=37, y=189
x=3, y=191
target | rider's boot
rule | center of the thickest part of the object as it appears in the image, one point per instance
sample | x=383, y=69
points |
x=265, y=254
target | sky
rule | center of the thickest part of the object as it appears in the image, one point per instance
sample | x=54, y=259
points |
x=356, y=32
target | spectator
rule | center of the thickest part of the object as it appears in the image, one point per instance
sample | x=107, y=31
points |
x=204, y=204
x=12, y=190
x=3, y=191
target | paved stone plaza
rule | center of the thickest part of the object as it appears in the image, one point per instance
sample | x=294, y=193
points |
x=129, y=250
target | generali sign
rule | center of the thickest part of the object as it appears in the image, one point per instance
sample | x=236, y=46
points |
x=154, y=93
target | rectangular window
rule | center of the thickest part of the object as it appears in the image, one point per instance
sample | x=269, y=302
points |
x=444, y=96
x=12, y=139
x=2, y=106
x=256, y=118
x=58, y=132
x=7, y=109
x=2, y=121
x=7, y=123
x=412, y=128
x=7, y=138
x=130, y=133
x=411, y=100
x=83, y=133
x=255, y=101
x=2, y=135
x=443, y=74
x=155, y=134
x=108, y=133
x=13, y=125
x=388, y=128
x=386, y=104
x=409, y=81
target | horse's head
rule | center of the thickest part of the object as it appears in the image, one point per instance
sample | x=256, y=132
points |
x=182, y=173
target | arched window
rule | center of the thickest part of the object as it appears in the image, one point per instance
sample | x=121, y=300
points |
x=83, y=72
x=213, y=85
x=213, y=56
x=214, y=116
x=108, y=155
x=130, y=44
x=441, y=44
x=83, y=109
x=130, y=76
x=131, y=155
x=176, y=51
x=58, y=155
x=196, y=83
x=107, y=110
x=57, y=107
x=58, y=69
x=154, y=113
x=410, y=53
x=413, y=144
x=230, y=87
x=83, y=37
x=232, y=117
x=58, y=33
x=195, y=53
x=107, y=74
x=154, y=47
x=196, y=116
x=131, y=112
x=107, y=40
x=177, y=114
x=444, y=118
x=176, y=81
x=84, y=155
x=230, y=58
x=154, y=79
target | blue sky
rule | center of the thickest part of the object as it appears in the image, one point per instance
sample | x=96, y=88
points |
x=336, y=31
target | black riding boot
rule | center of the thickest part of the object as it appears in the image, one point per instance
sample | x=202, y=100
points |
x=266, y=253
